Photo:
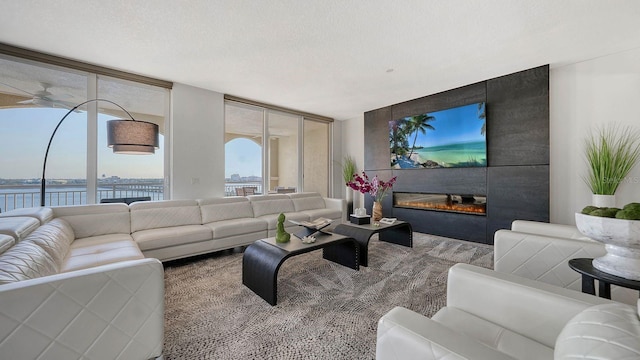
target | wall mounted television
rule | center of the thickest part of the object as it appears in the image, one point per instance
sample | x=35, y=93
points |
x=450, y=138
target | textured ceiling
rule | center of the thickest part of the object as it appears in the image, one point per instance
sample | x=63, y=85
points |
x=332, y=57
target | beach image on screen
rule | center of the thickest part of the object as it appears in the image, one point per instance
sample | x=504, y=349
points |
x=448, y=138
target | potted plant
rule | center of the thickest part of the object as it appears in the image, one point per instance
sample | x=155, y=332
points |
x=349, y=169
x=611, y=153
x=619, y=230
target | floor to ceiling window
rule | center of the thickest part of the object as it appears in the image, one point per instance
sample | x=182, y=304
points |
x=34, y=97
x=271, y=150
x=125, y=176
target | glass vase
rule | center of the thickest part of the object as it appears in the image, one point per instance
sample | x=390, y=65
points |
x=376, y=214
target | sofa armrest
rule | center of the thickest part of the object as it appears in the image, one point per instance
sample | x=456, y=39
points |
x=337, y=204
x=531, y=308
x=546, y=259
x=542, y=258
x=404, y=334
x=112, y=311
x=548, y=229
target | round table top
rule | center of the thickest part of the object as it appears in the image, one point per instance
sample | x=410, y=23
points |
x=585, y=266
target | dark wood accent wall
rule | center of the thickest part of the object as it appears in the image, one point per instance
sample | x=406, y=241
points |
x=516, y=180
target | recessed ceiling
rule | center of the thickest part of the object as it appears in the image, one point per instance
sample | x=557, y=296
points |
x=334, y=58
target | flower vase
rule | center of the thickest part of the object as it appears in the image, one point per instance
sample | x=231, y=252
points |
x=376, y=214
x=349, y=198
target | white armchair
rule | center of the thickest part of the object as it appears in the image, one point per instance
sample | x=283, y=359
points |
x=541, y=251
x=492, y=315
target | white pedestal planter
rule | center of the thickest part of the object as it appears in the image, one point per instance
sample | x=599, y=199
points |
x=603, y=200
x=622, y=242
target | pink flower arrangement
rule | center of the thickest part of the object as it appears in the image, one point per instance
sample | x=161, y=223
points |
x=376, y=187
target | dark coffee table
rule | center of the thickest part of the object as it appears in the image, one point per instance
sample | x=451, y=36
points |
x=589, y=273
x=262, y=259
x=400, y=232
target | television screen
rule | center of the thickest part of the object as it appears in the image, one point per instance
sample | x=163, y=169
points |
x=448, y=138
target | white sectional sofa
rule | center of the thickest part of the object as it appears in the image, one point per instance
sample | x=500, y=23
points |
x=87, y=282
x=541, y=251
x=492, y=315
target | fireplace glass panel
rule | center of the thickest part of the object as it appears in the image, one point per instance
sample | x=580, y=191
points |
x=458, y=203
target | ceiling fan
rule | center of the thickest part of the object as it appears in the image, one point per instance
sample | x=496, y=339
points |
x=43, y=98
x=46, y=99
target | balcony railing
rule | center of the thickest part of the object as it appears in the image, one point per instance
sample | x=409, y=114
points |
x=230, y=188
x=22, y=196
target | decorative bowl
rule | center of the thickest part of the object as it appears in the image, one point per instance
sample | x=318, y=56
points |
x=622, y=243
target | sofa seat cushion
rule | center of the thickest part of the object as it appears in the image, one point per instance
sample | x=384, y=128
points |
x=43, y=214
x=171, y=236
x=100, y=240
x=105, y=249
x=226, y=228
x=610, y=331
x=18, y=227
x=492, y=335
x=272, y=219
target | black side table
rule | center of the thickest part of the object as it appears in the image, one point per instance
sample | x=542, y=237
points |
x=400, y=232
x=589, y=273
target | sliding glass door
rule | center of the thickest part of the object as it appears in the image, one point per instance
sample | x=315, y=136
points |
x=283, y=152
x=316, y=156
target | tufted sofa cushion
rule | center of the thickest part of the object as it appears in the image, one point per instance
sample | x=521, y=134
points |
x=43, y=214
x=96, y=220
x=6, y=242
x=307, y=201
x=610, y=331
x=219, y=209
x=271, y=204
x=18, y=227
x=39, y=254
x=161, y=214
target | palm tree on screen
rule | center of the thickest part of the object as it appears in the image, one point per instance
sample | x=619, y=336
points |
x=482, y=115
x=419, y=124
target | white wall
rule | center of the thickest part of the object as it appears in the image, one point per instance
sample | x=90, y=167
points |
x=582, y=96
x=197, y=147
x=353, y=144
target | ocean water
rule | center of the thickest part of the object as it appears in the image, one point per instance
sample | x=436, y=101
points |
x=456, y=155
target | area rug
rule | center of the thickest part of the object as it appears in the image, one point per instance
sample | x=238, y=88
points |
x=324, y=310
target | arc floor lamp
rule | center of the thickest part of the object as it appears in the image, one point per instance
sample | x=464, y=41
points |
x=124, y=136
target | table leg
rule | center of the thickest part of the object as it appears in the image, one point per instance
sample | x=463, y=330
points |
x=361, y=236
x=344, y=253
x=260, y=265
x=604, y=289
x=401, y=235
x=588, y=286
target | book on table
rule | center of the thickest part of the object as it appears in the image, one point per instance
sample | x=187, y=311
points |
x=311, y=227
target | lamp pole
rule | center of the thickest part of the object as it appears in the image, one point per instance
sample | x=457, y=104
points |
x=43, y=184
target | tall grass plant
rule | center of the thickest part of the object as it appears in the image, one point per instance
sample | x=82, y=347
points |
x=611, y=152
x=348, y=168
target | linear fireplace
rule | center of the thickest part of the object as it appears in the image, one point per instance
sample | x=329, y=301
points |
x=458, y=203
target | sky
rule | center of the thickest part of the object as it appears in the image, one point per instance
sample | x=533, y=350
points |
x=456, y=125
x=25, y=132
x=242, y=157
